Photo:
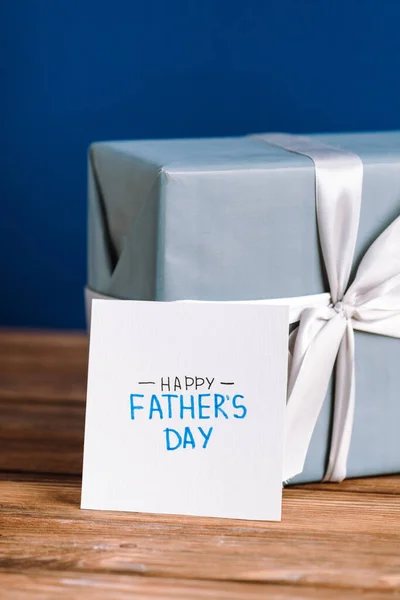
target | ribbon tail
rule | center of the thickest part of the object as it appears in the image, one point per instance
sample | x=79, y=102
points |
x=308, y=393
x=344, y=409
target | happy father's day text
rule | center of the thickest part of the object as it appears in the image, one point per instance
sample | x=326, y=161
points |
x=187, y=406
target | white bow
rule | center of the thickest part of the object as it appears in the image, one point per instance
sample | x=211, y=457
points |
x=325, y=334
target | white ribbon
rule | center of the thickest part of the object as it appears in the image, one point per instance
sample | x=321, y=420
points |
x=325, y=335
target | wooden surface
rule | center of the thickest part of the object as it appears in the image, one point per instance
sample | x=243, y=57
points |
x=335, y=541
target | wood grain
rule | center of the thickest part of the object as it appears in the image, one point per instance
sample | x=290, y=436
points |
x=45, y=367
x=334, y=540
x=321, y=540
x=66, y=585
x=42, y=401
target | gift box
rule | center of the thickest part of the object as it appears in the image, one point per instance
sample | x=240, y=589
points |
x=235, y=219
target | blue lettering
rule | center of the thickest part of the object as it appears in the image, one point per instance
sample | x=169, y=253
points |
x=206, y=436
x=239, y=407
x=190, y=407
x=188, y=439
x=169, y=398
x=137, y=406
x=155, y=406
x=168, y=433
x=219, y=400
x=203, y=406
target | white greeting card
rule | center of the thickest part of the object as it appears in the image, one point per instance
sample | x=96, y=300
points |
x=185, y=408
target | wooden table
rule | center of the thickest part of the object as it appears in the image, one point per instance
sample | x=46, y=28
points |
x=335, y=541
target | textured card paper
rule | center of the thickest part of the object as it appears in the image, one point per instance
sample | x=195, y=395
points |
x=185, y=408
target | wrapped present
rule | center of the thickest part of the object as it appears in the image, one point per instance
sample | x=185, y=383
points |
x=313, y=222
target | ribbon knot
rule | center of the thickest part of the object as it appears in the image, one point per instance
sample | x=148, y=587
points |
x=342, y=308
x=338, y=307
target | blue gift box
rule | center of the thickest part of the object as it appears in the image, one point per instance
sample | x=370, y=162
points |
x=234, y=219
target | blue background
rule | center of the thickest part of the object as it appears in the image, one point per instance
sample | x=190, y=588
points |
x=74, y=71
